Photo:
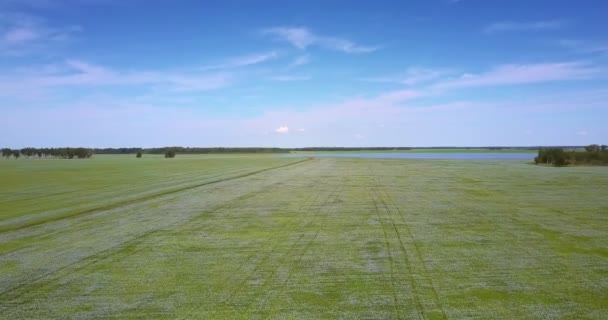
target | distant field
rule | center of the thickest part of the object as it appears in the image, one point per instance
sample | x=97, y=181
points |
x=263, y=236
x=471, y=150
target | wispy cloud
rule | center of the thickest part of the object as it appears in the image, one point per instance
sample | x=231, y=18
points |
x=302, y=38
x=243, y=61
x=508, y=26
x=398, y=96
x=291, y=78
x=77, y=73
x=584, y=47
x=45, y=4
x=405, y=122
x=412, y=76
x=282, y=129
x=22, y=34
x=298, y=61
x=512, y=74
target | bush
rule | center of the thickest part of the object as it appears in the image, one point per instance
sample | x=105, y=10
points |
x=170, y=153
x=138, y=155
x=593, y=155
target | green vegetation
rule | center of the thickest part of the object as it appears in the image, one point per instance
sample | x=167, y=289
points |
x=219, y=150
x=592, y=155
x=54, y=153
x=170, y=153
x=189, y=150
x=138, y=155
x=261, y=236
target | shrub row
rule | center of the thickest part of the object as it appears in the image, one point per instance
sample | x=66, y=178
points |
x=593, y=155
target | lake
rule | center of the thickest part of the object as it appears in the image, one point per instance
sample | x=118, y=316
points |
x=434, y=156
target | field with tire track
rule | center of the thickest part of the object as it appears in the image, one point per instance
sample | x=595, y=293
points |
x=262, y=236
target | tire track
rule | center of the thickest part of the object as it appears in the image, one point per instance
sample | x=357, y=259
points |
x=243, y=283
x=276, y=241
x=8, y=228
x=108, y=252
x=396, y=304
x=393, y=207
x=19, y=289
x=299, y=245
x=268, y=311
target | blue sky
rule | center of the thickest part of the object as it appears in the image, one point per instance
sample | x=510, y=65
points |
x=109, y=73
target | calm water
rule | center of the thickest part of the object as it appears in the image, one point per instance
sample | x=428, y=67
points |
x=439, y=156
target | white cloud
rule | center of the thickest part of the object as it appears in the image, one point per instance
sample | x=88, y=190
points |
x=436, y=80
x=507, y=26
x=22, y=34
x=584, y=47
x=282, y=129
x=299, y=61
x=582, y=133
x=412, y=76
x=302, y=38
x=291, y=78
x=407, y=124
x=243, y=61
x=345, y=45
x=397, y=96
x=511, y=74
x=19, y=35
x=46, y=4
x=299, y=37
x=72, y=73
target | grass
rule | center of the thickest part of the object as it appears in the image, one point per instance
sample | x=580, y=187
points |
x=256, y=236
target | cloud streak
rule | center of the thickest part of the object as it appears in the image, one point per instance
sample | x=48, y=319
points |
x=405, y=123
x=584, y=47
x=291, y=78
x=512, y=26
x=282, y=130
x=412, y=76
x=244, y=61
x=514, y=74
x=302, y=38
x=77, y=73
x=299, y=61
x=22, y=34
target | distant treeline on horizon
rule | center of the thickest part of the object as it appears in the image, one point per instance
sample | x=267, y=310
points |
x=70, y=152
x=197, y=150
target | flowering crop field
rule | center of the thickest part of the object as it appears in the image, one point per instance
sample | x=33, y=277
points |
x=262, y=236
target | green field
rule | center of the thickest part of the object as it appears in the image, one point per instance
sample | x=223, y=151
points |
x=262, y=236
x=429, y=150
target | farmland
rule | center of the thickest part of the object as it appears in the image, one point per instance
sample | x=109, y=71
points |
x=263, y=236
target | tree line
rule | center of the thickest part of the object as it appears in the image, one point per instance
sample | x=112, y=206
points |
x=188, y=150
x=57, y=153
x=592, y=155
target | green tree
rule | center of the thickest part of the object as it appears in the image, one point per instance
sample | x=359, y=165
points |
x=16, y=154
x=7, y=152
x=170, y=153
x=592, y=148
x=552, y=156
x=138, y=155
